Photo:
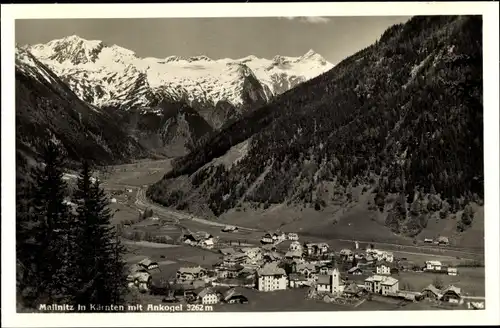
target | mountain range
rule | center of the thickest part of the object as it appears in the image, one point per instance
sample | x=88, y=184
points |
x=392, y=134
x=47, y=109
x=115, y=81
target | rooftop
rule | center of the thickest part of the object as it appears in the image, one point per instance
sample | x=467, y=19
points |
x=206, y=291
x=324, y=279
x=433, y=262
x=234, y=256
x=345, y=251
x=146, y=262
x=227, y=251
x=385, y=263
x=293, y=254
x=433, y=289
x=191, y=270
x=270, y=269
x=296, y=277
x=452, y=288
x=352, y=288
x=384, y=280
x=353, y=269
x=389, y=281
x=306, y=265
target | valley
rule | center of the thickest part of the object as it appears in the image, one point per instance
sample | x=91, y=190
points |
x=174, y=255
x=240, y=182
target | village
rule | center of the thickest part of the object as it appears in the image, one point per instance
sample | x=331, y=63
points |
x=282, y=262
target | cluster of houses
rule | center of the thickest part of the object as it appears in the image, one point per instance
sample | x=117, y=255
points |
x=441, y=240
x=201, y=239
x=140, y=274
x=450, y=294
x=229, y=229
x=438, y=267
x=277, y=237
x=310, y=265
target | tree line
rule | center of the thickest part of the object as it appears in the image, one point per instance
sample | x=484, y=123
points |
x=67, y=250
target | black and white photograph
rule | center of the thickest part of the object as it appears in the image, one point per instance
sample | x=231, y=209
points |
x=273, y=162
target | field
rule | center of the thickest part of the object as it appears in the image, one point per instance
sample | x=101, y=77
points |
x=137, y=174
x=470, y=280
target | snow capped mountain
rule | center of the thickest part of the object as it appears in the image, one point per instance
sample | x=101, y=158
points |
x=112, y=76
x=47, y=109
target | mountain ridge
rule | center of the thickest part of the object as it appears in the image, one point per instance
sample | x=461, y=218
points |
x=401, y=120
x=46, y=108
x=110, y=75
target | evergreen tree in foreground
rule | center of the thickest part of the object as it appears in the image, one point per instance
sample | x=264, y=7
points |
x=101, y=276
x=43, y=234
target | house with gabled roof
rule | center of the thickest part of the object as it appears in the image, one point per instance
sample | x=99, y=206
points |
x=306, y=269
x=452, y=294
x=267, y=239
x=431, y=292
x=442, y=240
x=190, y=273
x=352, y=290
x=148, y=264
x=208, y=296
x=384, y=268
x=433, y=265
x=233, y=296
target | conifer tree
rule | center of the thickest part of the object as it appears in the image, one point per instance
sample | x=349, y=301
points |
x=102, y=278
x=44, y=233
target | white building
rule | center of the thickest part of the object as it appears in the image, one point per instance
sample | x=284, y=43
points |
x=293, y=236
x=113, y=200
x=267, y=239
x=295, y=246
x=278, y=236
x=381, y=284
x=329, y=283
x=190, y=273
x=253, y=254
x=383, y=268
x=433, y=265
x=381, y=255
x=452, y=271
x=208, y=296
x=208, y=243
x=271, y=278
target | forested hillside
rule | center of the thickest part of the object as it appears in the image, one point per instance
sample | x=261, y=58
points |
x=403, y=118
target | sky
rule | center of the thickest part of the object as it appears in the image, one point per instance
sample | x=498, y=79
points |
x=335, y=38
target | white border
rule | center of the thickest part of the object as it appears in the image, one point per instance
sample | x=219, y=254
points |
x=489, y=10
